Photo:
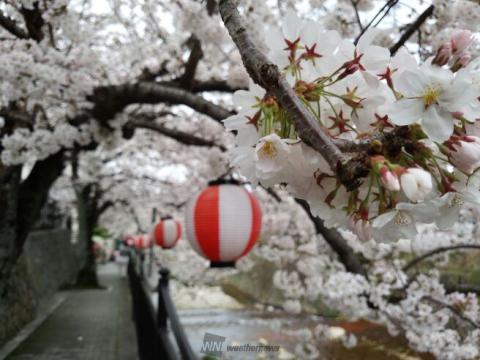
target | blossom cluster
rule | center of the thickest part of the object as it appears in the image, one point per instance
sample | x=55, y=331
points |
x=419, y=122
x=307, y=271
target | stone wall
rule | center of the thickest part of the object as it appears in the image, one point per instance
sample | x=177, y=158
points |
x=49, y=261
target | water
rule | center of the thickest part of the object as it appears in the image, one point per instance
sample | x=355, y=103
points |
x=276, y=328
x=208, y=310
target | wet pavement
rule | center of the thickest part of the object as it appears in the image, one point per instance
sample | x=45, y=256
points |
x=88, y=325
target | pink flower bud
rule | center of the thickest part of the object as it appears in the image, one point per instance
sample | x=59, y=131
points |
x=457, y=115
x=461, y=40
x=443, y=54
x=461, y=62
x=361, y=228
x=389, y=179
x=465, y=154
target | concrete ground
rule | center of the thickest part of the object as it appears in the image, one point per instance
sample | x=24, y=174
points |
x=88, y=325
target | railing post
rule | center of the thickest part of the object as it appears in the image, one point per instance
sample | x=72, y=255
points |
x=142, y=263
x=162, y=283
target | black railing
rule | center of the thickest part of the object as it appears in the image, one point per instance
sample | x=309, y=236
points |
x=152, y=327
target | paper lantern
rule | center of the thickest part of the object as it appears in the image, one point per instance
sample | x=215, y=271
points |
x=223, y=223
x=129, y=240
x=142, y=242
x=166, y=233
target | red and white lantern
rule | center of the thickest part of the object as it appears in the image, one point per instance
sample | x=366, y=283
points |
x=129, y=240
x=167, y=233
x=223, y=223
x=142, y=242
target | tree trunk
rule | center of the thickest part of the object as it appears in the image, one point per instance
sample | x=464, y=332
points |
x=9, y=193
x=86, y=207
x=21, y=204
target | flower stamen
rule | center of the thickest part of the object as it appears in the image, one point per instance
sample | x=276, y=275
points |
x=268, y=150
x=430, y=95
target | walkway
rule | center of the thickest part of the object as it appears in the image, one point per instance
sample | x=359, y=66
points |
x=88, y=325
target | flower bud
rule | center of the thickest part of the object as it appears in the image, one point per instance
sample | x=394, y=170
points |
x=416, y=183
x=361, y=228
x=457, y=115
x=465, y=154
x=461, y=40
x=461, y=62
x=389, y=179
x=443, y=54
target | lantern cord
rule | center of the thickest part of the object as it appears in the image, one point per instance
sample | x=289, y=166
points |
x=227, y=178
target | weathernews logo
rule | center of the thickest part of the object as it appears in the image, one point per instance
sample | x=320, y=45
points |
x=213, y=346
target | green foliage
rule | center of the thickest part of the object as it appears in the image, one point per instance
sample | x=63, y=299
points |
x=102, y=232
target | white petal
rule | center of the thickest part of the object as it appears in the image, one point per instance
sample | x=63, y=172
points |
x=309, y=33
x=408, y=231
x=411, y=83
x=244, y=98
x=437, y=124
x=273, y=37
x=404, y=60
x=235, y=122
x=382, y=220
x=375, y=58
x=367, y=38
x=406, y=111
x=447, y=219
x=291, y=25
x=247, y=136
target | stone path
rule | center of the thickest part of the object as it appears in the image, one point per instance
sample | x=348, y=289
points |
x=88, y=325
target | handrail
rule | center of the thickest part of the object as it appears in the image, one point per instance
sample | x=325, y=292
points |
x=165, y=301
x=152, y=326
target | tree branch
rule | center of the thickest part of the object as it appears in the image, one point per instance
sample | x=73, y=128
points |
x=109, y=100
x=11, y=26
x=34, y=21
x=437, y=251
x=180, y=136
x=267, y=75
x=411, y=29
x=212, y=7
x=357, y=15
x=385, y=10
x=453, y=309
x=214, y=85
x=196, y=54
x=33, y=194
x=336, y=241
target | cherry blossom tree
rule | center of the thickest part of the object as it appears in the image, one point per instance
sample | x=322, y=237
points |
x=363, y=113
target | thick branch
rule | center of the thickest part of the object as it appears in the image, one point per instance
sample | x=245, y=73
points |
x=336, y=241
x=411, y=29
x=34, y=22
x=34, y=192
x=104, y=207
x=212, y=7
x=180, y=136
x=267, y=75
x=213, y=85
x=202, y=85
x=390, y=142
x=11, y=26
x=109, y=100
